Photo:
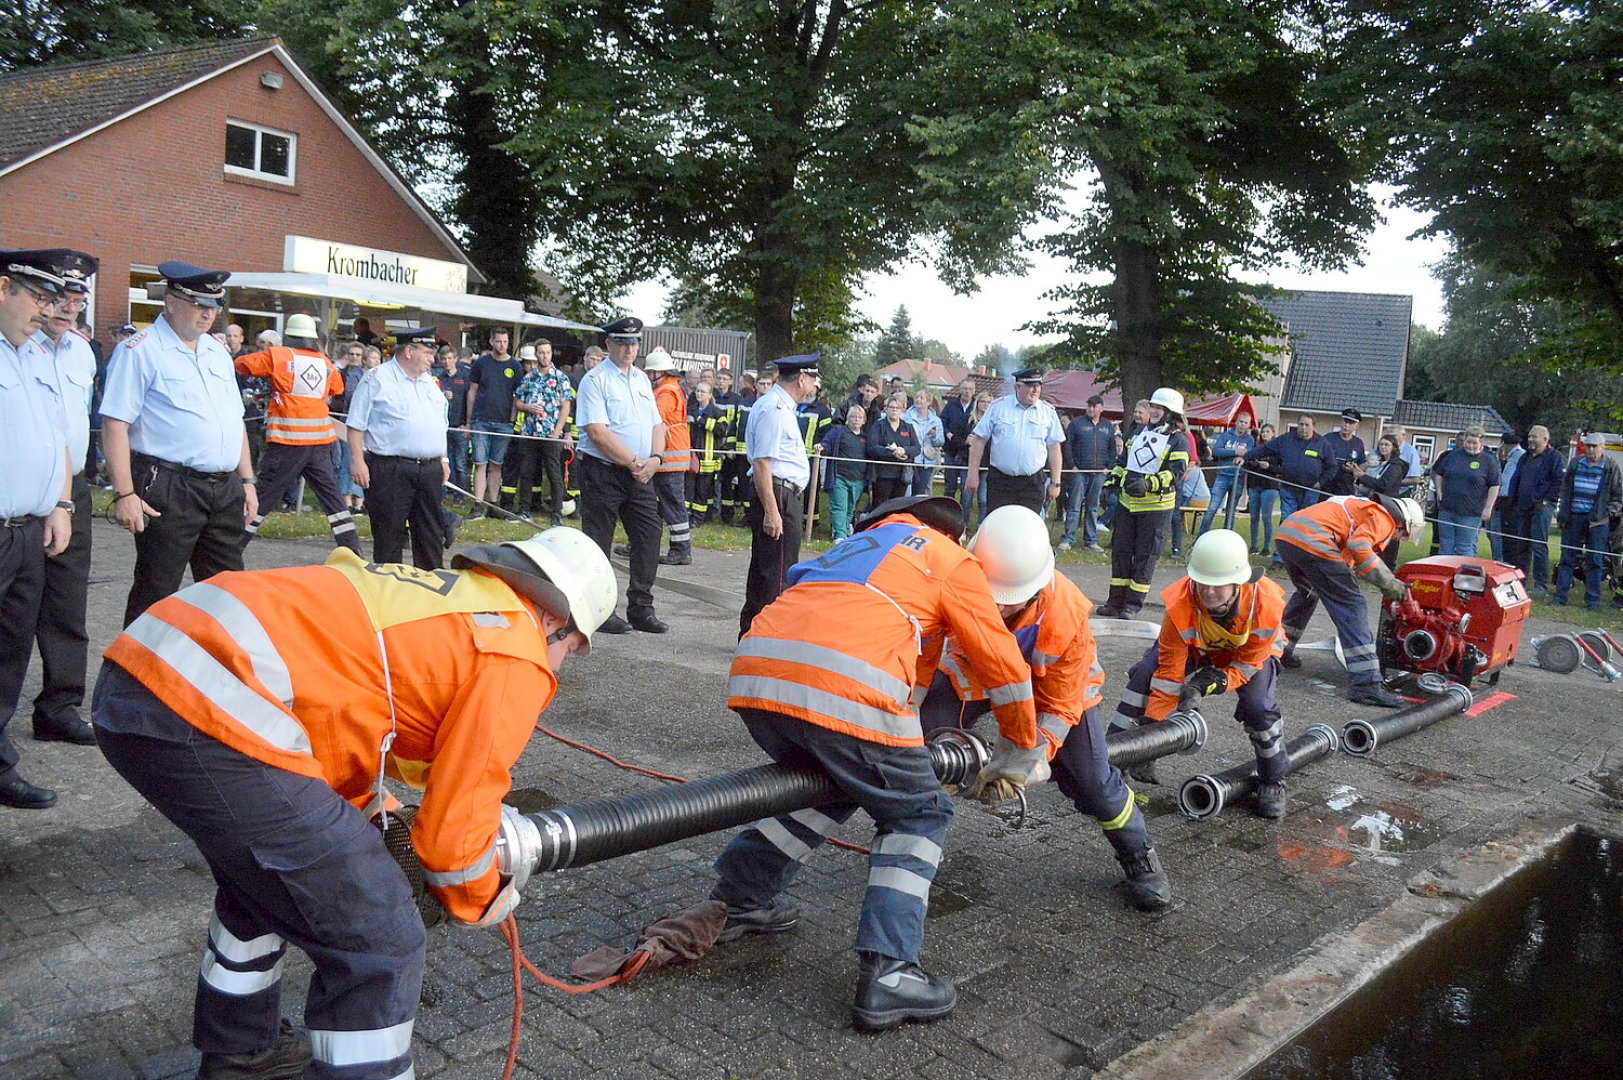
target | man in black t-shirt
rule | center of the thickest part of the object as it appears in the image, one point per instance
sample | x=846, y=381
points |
x=491, y=383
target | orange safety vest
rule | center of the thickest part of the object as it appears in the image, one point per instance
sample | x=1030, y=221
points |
x=853, y=642
x=1345, y=527
x=673, y=413
x=1189, y=639
x=1066, y=676
x=297, y=668
x=301, y=382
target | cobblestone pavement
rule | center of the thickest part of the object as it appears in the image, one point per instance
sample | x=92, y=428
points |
x=103, y=905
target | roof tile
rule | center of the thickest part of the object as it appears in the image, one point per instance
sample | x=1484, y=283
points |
x=1350, y=349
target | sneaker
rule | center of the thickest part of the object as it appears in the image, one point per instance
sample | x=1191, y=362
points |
x=1271, y=800
x=1174, y=554
x=1067, y=545
x=1095, y=548
x=776, y=919
x=285, y=1059
x=1147, y=886
x=1374, y=694
x=892, y=992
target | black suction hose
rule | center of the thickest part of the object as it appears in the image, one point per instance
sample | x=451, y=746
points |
x=1179, y=733
x=1361, y=737
x=608, y=828
x=1204, y=796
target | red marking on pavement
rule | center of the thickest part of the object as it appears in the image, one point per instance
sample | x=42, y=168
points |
x=1317, y=858
x=1492, y=701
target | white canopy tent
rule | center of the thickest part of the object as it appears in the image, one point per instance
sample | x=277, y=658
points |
x=401, y=301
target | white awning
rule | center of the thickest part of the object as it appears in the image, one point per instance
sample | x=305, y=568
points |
x=407, y=298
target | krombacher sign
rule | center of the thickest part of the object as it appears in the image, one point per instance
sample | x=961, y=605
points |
x=305, y=255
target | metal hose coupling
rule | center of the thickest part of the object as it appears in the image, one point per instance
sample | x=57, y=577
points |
x=518, y=847
x=1360, y=737
x=1203, y=796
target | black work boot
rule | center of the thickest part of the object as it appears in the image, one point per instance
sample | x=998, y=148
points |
x=1289, y=659
x=677, y=556
x=1375, y=694
x=285, y=1059
x=1147, y=886
x=892, y=992
x=1111, y=608
x=1271, y=799
x=776, y=919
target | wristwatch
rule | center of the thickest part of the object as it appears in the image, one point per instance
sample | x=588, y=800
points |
x=64, y=504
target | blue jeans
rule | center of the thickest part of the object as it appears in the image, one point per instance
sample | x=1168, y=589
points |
x=1458, y=533
x=1263, y=504
x=952, y=479
x=456, y=448
x=1292, y=499
x=488, y=445
x=923, y=477
x=1496, y=541
x=1086, y=489
x=1583, y=544
x=1228, y=483
x=1539, y=531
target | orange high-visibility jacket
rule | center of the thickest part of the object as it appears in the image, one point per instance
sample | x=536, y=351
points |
x=1187, y=640
x=673, y=413
x=301, y=382
x=854, y=641
x=1053, y=634
x=1345, y=527
x=288, y=667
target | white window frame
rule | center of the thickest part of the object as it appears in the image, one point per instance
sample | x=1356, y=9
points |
x=259, y=131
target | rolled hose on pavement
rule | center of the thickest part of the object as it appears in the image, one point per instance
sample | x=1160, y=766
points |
x=607, y=828
x=1360, y=737
x=1204, y=796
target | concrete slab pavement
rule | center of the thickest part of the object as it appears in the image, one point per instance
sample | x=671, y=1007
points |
x=103, y=905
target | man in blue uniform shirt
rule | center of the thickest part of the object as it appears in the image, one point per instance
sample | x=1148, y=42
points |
x=618, y=456
x=1025, y=434
x=397, y=426
x=176, y=449
x=64, y=644
x=1303, y=462
x=780, y=469
x=35, y=504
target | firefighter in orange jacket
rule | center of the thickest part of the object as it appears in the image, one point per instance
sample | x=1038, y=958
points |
x=671, y=482
x=840, y=692
x=257, y=711
x=1049, y=618
x=299, y=435
x=1222, y=632
x=1323, y=547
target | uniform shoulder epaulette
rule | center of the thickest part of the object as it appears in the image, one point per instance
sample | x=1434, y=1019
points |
x=140, y=336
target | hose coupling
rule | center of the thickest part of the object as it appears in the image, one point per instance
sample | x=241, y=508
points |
x=518, y=847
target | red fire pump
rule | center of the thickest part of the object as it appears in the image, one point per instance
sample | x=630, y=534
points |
x=1463, y=618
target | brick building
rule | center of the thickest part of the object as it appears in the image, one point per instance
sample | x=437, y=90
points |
x=225, y=155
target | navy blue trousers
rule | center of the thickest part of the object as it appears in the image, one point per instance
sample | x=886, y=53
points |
x=1256, y=708
x=898, y=789
x=1331, y=581
x=292, y=862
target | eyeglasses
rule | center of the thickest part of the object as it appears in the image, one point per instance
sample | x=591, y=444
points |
x=41, y=297
x=72, y=302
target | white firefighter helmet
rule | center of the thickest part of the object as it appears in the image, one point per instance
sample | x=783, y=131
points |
x=1413, y=518
x=1220, y=557
x=1169, y=399
x=1012, y=545
x=561, y=569
x=658, y=360
x=301, y=325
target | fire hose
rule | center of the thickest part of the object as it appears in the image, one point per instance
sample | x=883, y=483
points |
x=1204, y=796
x=1361, y=737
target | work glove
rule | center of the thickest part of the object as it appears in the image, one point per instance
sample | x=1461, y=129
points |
x=1391, y=588
x=1010, y=771
x=1158, y=482
x=1136, y=486
x=499, y=908
x=1203, y=683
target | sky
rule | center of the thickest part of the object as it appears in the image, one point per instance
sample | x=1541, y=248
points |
x=1393, y=263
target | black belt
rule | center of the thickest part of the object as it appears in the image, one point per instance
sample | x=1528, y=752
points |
x=407, y=460
x=1020, y=476
x=20, y=522
x=184, y=470
x=794, y=488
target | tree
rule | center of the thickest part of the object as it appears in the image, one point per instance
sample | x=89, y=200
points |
x=939, y=351
x=1506, y=122
x=1209, y=152
x=897, y=342
x=51, y=31
x=769, y=151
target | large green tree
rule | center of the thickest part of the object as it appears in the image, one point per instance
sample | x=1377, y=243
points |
x=1505, y=118
x=49, y=31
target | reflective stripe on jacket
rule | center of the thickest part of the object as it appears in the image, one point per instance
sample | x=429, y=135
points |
x=854, y=641
x=1345, y=527
x=285, y=666
x=1162, y=481
x=301, y=382
x=1259, y=614
x=673, y=413
x=1055, y=639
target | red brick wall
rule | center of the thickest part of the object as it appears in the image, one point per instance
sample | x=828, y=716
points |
x=153, y=187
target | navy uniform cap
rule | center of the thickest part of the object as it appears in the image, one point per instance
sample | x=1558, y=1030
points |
x=421, y=336
x=626, y=329
x=75, y=268
x=37, y=267
x=1031, y=376
x=205, y=288
x=1351, y=414
x=802, y=364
